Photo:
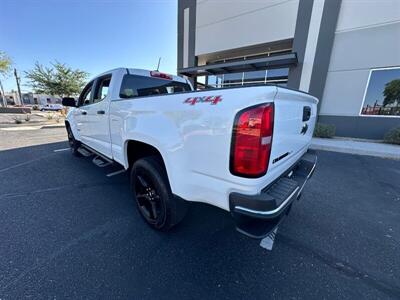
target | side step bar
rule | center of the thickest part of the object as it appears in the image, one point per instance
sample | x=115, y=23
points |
x=99, y=159
x=100, y=162
x=84, y=152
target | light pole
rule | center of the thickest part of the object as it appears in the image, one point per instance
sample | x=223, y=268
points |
x=19, y=89
x=3, y=96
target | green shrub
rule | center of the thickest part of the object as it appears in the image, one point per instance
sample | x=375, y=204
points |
x=324, y=130
x=35, y=107
x=392, y=136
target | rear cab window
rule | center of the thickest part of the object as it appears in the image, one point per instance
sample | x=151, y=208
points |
x=141, y=86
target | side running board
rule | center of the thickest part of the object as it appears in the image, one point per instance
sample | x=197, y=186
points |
x=85, y=152
x=101, y=162
x=99, y=159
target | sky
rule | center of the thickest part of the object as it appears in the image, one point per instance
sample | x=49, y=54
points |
x=91, y=35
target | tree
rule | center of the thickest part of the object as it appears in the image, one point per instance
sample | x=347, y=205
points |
x=392, y=92
x=59, y=79
x=5, y=69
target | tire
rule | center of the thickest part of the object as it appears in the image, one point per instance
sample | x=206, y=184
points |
x=152, y=194
x=73, y=143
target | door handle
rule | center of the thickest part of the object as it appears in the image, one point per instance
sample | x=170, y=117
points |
x=101, y=112
x=84, y=112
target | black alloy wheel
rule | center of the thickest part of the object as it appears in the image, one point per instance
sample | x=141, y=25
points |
x=149, y=200
x=150, y=186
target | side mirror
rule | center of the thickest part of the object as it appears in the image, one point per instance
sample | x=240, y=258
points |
x=69, y=101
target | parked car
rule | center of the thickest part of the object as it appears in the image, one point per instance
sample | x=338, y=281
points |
x=244, y=149
x=51, y=106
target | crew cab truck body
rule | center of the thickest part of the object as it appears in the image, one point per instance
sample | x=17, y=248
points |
x=244, y=150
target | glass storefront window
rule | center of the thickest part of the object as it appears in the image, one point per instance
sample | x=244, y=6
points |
x=276, y=74
x=232, y=79
x=382, y=94
x=254, y=77
x=214, y=81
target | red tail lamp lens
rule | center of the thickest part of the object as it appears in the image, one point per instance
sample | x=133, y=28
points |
x=252, y=140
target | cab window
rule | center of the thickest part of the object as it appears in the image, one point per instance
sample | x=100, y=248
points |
x=102, y=88
x=142, y=86
x=86, y=95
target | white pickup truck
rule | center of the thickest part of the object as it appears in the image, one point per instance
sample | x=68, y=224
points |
x=243, y=149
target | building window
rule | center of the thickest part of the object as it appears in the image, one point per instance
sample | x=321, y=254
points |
x=214, y=81
x=382, y=93
x=274, y=76
x=254, y=77
x=232, y=79
x=278, y=75
x=257, y=77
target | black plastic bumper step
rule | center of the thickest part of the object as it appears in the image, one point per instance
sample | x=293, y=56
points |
x=281, y=189
x=257, y=215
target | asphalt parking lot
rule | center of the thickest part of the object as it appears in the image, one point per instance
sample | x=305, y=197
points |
x=69, y=231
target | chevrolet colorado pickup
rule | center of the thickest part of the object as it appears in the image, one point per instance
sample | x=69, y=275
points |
x=243, y=149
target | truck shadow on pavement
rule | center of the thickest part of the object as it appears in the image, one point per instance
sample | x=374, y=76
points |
x=68, y=230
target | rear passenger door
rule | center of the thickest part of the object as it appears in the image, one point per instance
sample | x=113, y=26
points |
x=97, y=114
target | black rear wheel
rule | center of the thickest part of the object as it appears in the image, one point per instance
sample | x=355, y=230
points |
x=155, y=201
x=148, y=199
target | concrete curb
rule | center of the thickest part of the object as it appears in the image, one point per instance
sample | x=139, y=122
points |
x=357, y=148
x=52, y=126
x=33, y=127
x=20, y=128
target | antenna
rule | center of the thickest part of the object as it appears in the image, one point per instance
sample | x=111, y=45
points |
x=158, y=65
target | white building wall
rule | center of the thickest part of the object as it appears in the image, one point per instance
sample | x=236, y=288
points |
x=311, y=47
x=367, y=37
x=358, y=14
x=186, y=13
x=223, y=25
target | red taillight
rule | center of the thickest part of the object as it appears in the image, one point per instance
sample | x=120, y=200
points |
x=251, y=141
x=160, y=75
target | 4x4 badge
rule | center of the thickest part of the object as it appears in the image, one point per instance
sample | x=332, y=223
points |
x=213, y=100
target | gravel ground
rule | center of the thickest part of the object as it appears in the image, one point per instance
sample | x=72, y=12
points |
x=35, y=118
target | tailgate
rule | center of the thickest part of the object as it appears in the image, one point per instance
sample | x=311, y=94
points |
x=294, y=122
